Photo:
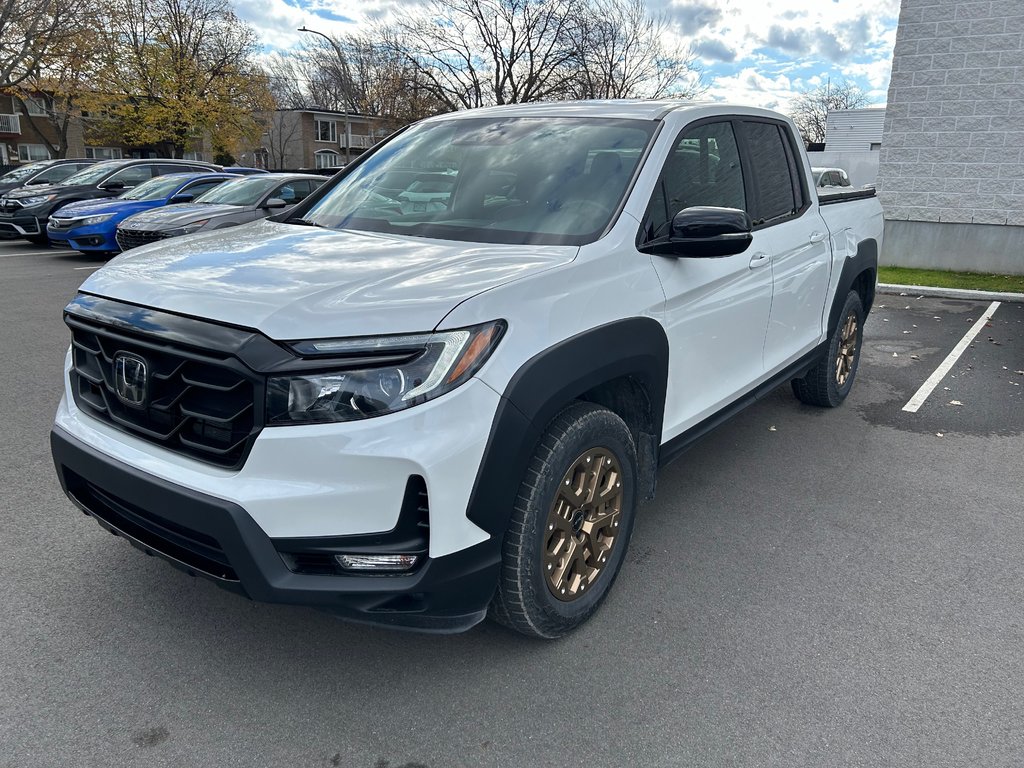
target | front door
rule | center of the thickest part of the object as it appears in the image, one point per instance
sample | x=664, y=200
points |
x=716, y=310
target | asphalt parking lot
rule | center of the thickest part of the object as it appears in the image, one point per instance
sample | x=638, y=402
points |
x=810, y=588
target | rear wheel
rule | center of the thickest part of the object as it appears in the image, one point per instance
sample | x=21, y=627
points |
x=830, y=380
x=571, y=524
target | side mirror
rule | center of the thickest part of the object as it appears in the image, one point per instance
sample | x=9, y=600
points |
x=275, y=202
x=182, y=198
x=112, y=185
x=705, y=232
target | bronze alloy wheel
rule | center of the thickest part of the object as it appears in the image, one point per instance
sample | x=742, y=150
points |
x=847, y=349
x=582, y=525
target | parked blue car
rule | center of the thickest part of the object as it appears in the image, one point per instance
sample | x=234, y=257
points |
x=89, y=225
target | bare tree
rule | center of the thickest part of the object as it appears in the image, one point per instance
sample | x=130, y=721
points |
x=355, y=73
x=282, y=131
x=473, y=53
x=626, y=52
x=29, y=29
x=810, y=110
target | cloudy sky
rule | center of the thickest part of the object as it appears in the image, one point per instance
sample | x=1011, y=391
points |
x=759, y=52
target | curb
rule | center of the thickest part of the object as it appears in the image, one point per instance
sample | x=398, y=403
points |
x=947, y=293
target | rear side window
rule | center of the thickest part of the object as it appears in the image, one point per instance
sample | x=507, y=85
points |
x=774, y=172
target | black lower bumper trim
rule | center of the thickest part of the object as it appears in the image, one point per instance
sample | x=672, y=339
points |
x=218, y=540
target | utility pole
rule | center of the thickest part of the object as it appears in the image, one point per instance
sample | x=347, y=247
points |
x=342, y=67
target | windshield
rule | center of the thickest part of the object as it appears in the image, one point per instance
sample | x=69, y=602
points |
x=245, y=191
x=496, y=180
x=91, y=174
x=22, y=172
x=156, y=189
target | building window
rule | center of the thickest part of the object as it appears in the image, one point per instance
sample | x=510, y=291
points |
x=326, y=158
x=31, y=152
x=876, y=146
x=327, y=130
x=192, y=156
x=36, y=105
x=103, y=153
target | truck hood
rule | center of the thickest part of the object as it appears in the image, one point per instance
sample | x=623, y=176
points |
x=296, y=282
x=177, y=215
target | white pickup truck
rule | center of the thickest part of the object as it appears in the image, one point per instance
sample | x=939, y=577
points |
x=419, y=415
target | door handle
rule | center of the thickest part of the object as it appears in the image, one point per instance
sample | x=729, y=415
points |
x=759, y=259
x=817, y=237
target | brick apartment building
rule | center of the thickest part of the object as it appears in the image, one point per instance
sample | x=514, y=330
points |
x=308, y=138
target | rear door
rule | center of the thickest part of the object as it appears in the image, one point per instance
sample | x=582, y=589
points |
x=785, y=211
x=716, y=309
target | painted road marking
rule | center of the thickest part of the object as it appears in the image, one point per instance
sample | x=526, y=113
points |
x=78, y=268
x=37, y=252
x=940, y=373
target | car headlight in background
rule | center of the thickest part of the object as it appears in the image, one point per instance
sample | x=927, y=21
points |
x=188, y=229
x=27, y=201
x=88, y=221
x=387, y=374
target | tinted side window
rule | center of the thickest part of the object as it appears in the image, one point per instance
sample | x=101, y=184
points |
x=703, y=169
x=302, y=190
x=769, y=159
x=133, y=176
x=286, y=192
x=199, y=187
x=58, y=173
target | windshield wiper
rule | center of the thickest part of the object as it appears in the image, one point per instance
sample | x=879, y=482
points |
x=306, y=223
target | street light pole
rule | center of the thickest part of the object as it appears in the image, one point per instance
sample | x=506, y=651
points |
x=341, y=69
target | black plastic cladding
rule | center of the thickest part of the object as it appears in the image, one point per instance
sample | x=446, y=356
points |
x=636, y=347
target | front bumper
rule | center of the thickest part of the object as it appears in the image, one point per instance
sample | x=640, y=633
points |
x=92, y=238
x=20, y=225
x=217, y=539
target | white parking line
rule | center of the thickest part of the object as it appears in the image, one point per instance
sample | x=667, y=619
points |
x=78, y=268
x=36, y=252
x=940, y=373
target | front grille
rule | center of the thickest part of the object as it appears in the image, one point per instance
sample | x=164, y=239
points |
x=60, y=224
x=133, y=238
x=9, y=205
x=194, y=403
x=192, y=548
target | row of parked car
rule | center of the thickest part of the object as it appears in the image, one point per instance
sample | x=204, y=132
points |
x=111, y=206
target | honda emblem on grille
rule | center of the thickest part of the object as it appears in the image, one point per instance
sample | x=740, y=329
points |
x=130, y=379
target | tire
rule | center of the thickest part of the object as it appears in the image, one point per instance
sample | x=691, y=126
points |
x=830, y=380
x=559, y=559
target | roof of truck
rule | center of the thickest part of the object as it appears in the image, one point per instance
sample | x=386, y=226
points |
x=637, y=109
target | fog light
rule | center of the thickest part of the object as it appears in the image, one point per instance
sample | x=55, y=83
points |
x=376, y=562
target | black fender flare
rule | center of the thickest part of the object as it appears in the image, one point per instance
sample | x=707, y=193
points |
x=635, y=348
x=864, y=262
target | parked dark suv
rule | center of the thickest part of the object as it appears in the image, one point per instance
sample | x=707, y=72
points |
x=41, y=173
x=24, y=211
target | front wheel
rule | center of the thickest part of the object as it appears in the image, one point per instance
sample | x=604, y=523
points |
x=571, y=524
x=830, y=380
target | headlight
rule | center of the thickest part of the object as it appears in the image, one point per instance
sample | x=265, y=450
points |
x=27, y=201
x=90, y=220
x=188, y=229
x=387, y=374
